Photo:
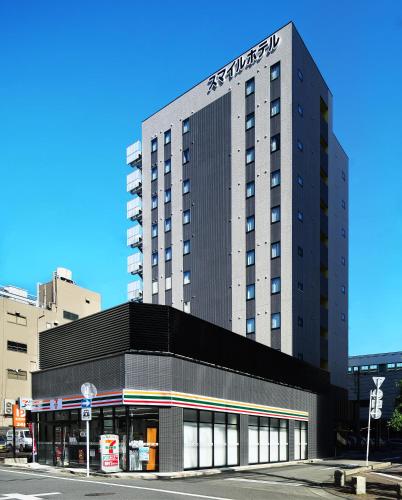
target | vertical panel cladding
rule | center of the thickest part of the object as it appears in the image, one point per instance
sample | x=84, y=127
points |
x=171, y=443
x=148, y=372
x=243, y=440
x=308, y=86
x=291, y=440
x=209, y=141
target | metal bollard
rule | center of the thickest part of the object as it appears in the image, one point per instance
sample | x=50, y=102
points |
x=339, y=477
x=359, y=485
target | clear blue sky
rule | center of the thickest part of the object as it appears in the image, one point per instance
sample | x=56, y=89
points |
x=77, y=78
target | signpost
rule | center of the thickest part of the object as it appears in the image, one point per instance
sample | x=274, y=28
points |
x=375, y=405
x=89, y=391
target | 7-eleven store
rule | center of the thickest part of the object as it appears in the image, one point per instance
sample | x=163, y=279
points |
x=173, y=411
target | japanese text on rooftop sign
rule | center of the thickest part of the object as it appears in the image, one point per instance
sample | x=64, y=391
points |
x=255, y=55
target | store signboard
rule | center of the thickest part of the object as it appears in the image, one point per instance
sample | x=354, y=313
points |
x=109, y=451
x=19, y=417
x=25, y=403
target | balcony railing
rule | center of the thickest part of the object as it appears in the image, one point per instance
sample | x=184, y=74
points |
x=134, y=263
x=134, y=154
x=134, y=209
x=134, y=182
x=134, y=236
x=134, y=291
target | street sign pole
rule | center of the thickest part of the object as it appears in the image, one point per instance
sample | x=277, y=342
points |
x=368, y=429
x=87, y=448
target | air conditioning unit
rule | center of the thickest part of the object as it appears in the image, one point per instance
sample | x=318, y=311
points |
x=8, y=406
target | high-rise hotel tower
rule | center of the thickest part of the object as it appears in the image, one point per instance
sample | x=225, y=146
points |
x=240, y=205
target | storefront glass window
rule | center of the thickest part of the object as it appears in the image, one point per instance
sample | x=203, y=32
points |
x=210, y=439
x=143, y=439
x=300, y=441
x=267, y=440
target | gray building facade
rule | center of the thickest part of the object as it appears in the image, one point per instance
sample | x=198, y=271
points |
x=240, y=205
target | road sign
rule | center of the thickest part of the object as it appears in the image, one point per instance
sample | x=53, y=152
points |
x=378, y=381
x=88, y=390
x=86, y=414
x=376, y=414
x=377, y=393
x=86, y=403
x=8, y=406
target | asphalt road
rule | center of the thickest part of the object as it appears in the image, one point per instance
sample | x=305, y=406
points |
x=296, y=481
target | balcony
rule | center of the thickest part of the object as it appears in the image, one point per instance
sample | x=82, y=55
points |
x=134, y=263
x=135, y=291
x=323, y=318
x=134, y=154
x=134, y=237
x=324, y=160
x=324, y=192
x=323, y=286
x=324, y=224
x=134, y=182
x=134, y=209
x=323, y=255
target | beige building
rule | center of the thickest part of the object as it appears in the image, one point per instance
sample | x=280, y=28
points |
x=22, y=316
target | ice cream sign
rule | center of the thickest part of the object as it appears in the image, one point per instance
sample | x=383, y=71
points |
x=109, y=451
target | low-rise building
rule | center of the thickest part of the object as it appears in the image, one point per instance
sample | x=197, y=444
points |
x=22, y=316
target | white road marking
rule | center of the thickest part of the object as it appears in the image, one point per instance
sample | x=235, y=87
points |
x=21, y=496
x=327, y=468
x=320, y=493
x=104, y=483
x=395, y=478
x=262, y=481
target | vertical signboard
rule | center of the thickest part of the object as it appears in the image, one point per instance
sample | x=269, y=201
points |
x=19, y=417
x=109, y=451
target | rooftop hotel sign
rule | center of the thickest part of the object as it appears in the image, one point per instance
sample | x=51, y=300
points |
x=234, y=68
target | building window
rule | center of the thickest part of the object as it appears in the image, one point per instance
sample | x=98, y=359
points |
x=300, y=321
x=186, y=277
x=250, y=189
x=250, y=292
x=300, y=286
x=343, y=204
x=275, y=321
x=343, y=175
x=250, y=258
x=154, y=201
x=168, y=254
x=250, y=121
x=299, y=145
x=154, y=287
x=168, y=137
x=154, y=258
x=70, y=316
x=211, y=439
x=154, y=173
x=250, y=86
x=250, y=155
x=276, y=250
x=186, y=186
x=16, y=346
x=16, y=374
x=275, y=71
x=154, y=230
x=343, y=317
x=168, y=283
x=250, y=326
x=343, y=232
x=275, y=214
x=343, y=261
x=168, y=225
x=154, y=145
x=275, y=107
x=300, y=75
x=300, y=440
x=17, y=319
x=275, y=285
x=186, y=247
x=343, y=289
x=186, y=307
x=275, y=143
x=275, y=178
x=300, y=109
x=300, y=215
x=186, y=125
x=186, y=156
x=268, y=440
x=168, y=195
x=250, y=223
x=186, y=217
x=168, y=166
x=300, y=251
x=300, y=180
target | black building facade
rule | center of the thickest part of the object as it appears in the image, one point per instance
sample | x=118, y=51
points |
x=191, y=394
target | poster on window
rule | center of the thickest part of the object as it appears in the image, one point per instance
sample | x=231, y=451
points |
x=109, y=451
